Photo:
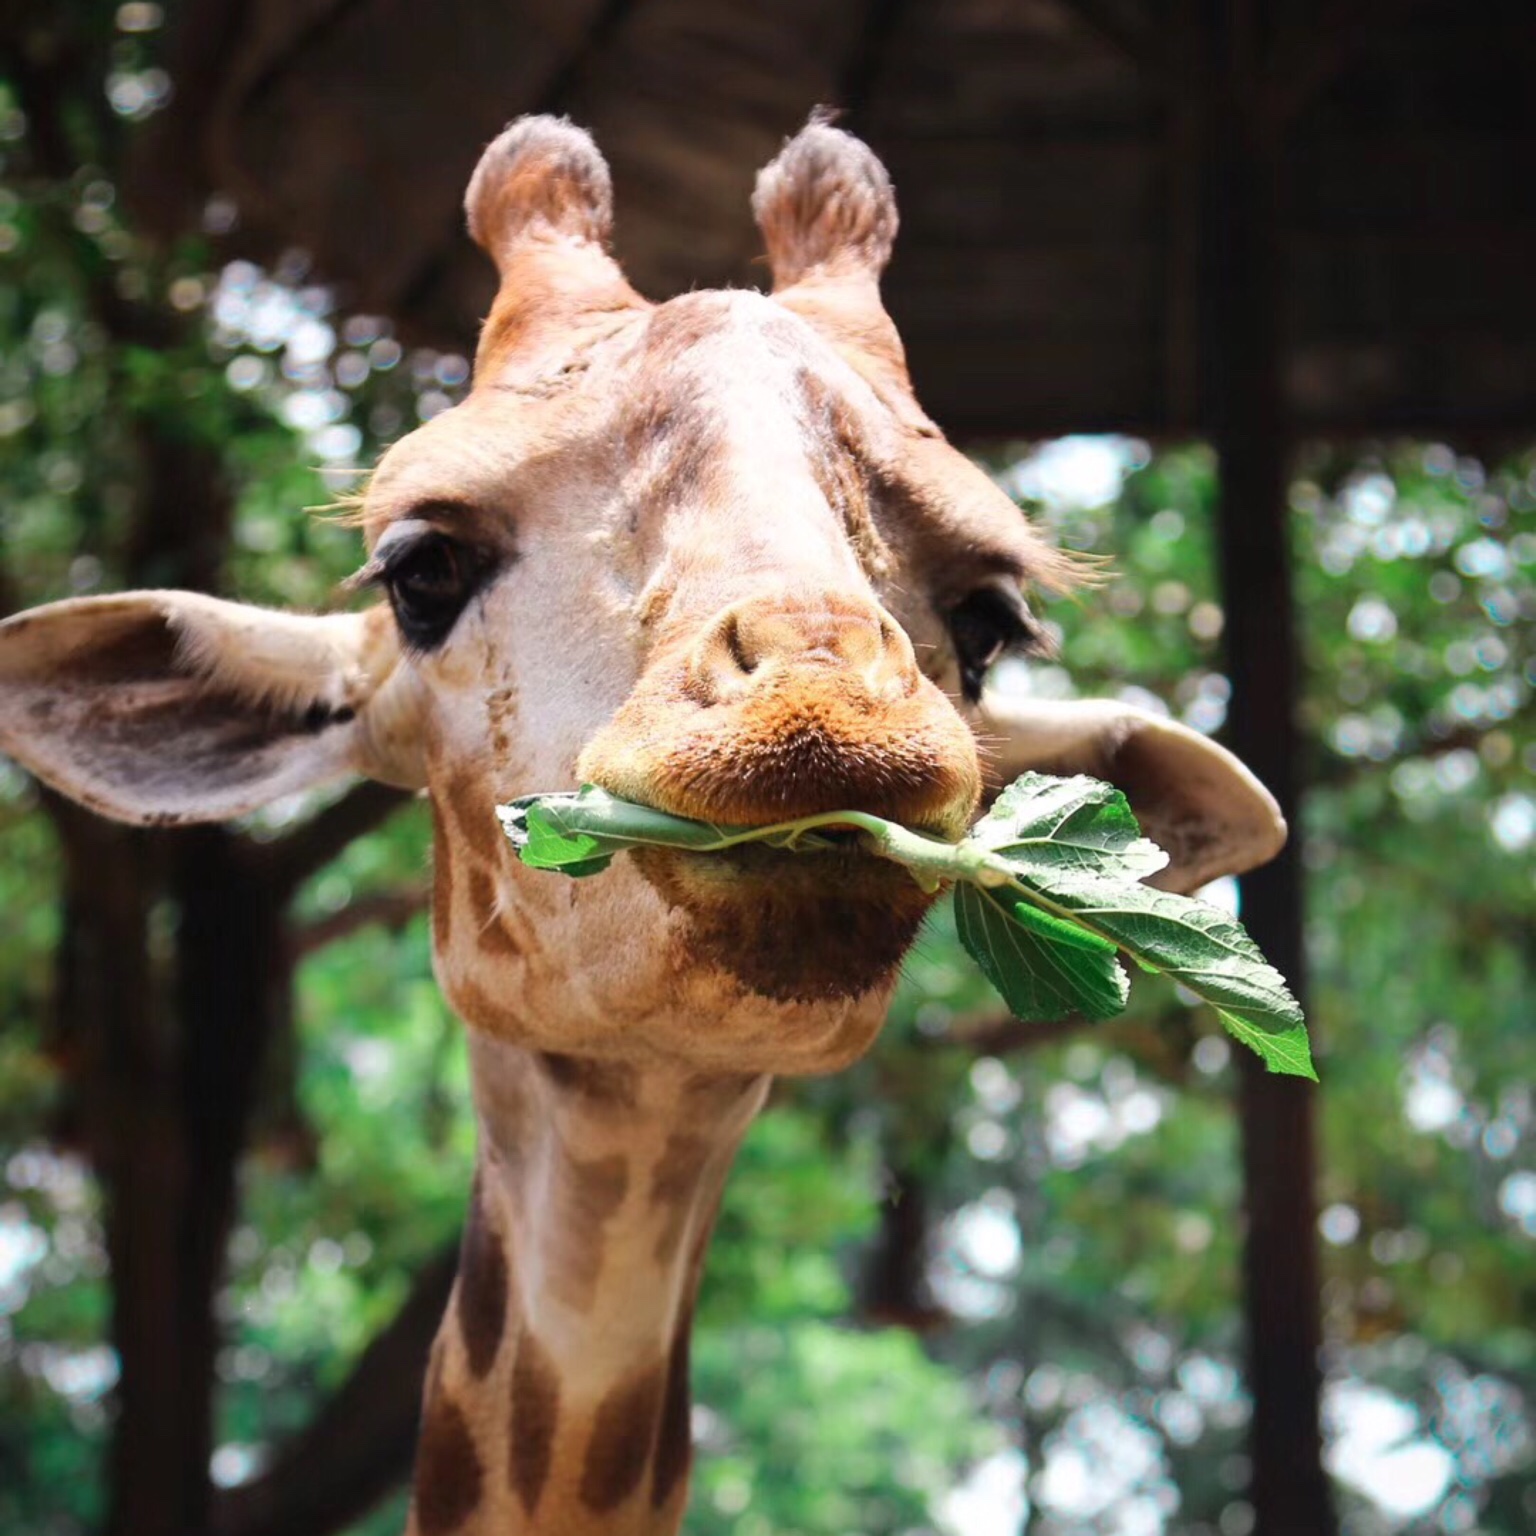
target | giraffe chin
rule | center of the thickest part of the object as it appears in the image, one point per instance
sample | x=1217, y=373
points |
x=789, y=927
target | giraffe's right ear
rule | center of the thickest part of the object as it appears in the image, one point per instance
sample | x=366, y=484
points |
x=166, y=707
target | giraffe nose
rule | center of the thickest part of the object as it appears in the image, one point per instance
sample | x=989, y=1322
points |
x=764, y=640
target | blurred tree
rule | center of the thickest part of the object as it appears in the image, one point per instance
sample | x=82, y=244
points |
x=234, y=1137
x=136, y=453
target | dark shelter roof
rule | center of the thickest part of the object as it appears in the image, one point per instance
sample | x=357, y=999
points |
x=1047, y=155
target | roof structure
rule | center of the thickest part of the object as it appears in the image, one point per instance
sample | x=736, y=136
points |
x=1050, y=157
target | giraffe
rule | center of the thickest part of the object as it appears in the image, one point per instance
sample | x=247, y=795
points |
x=710, y=554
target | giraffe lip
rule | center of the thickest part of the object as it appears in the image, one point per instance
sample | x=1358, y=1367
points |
x=845, y=869
x=831, y=925
x=841, y=837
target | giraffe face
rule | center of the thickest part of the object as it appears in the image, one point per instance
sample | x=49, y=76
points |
x=695, y=554
x=709, y=554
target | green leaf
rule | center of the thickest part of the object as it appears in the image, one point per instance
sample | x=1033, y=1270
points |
x=1074, y=823
x=1040, y=977
x=1195, y=943
x=1198, y=945
x=1284, y=1050
x=550, y=846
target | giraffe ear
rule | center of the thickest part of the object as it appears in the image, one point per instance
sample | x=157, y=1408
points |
x=1192, y=797
x=165, y=707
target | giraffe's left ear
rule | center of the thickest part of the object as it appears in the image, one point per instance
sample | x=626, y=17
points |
x=1192, y=797
x=165, y=707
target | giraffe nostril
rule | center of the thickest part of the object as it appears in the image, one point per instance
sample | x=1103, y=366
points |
x=736, y=646
x=766, y=642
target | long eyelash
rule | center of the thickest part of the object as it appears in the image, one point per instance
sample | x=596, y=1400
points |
x=1034, y=639
x=370, y=575
x=376, y=571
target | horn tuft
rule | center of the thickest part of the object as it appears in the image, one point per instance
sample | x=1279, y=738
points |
x=539, y=171
x=825, y=204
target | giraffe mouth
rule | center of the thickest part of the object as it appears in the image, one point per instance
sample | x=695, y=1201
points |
x=789, y=926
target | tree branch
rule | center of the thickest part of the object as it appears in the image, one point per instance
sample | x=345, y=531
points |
x=309, y=848
x=10, y=597
x=895, y=1290
x=1002, y=1034
x=359, y=1446
x=389, y=909
x=1160, y=1042
x=1135, y=40
x=1316, y=55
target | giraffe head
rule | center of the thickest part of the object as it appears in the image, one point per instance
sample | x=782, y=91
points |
x=709, y=554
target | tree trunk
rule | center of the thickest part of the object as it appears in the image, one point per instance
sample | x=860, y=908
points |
x=230, y=978
x=1242, y=305
x=360, y=1445
x=165, y=1052
x=110, y=1011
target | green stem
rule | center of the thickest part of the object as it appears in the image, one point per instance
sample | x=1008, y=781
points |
x=930, y=860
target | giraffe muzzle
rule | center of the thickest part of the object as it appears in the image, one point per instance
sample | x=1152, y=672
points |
x=790, y=707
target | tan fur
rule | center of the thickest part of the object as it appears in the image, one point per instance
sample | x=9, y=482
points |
x=283, y=661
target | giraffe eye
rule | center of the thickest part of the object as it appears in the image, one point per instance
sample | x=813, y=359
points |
x=984, y=626
x=429, y=582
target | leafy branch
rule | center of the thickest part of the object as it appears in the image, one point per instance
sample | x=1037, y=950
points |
x=1049, y=893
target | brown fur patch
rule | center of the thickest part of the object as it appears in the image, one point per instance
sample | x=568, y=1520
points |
x=442, y=882
x=722, y=1089
x=674, y=438
x=615, y=1084
x=842, y=472
x=493, y=933
x=535, y=1413
x=674, y=1445
x=476, y=1006
x=482, y=1298
x=501, y=709
x=448, y=1471
x=623, y=1434
x=787, y=934
x=589, y=1195
x=496, y=939
x=482, y=894
x=474, y=814
x=674, y=1179
x=678, y=326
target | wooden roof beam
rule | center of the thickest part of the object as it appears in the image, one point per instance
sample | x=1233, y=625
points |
x=1131, y=33
x=1310, y=58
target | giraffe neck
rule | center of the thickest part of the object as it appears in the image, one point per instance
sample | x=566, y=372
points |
x=557, y=1397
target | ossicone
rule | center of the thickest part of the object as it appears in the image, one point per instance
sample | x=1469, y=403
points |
x=825, y=207
x=541, y=204
x=542, y=176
